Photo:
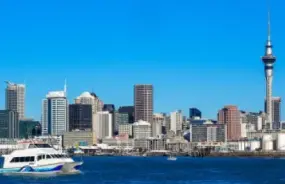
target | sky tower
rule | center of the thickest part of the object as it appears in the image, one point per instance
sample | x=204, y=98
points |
x=268, y=60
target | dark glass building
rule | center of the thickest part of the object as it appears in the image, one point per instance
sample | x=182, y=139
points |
x=80, y=117
x=194, y=112
x=127, y=110
x=29, y=128
x=9, y=124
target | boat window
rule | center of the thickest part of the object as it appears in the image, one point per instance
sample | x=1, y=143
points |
x=23, y=159
x=48, y=156
x=27, y=159
x=40, y=157
x=32, y=159
x=39, y=146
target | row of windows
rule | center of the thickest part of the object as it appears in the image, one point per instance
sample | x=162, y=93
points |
x=23, y=159
x=40, y=157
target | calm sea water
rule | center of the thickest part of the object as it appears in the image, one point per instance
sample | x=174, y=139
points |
x=154, y=170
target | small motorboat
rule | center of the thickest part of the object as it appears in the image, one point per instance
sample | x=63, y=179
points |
x=171, y=158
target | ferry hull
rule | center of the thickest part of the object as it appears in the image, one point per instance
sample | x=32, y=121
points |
x=72, y=167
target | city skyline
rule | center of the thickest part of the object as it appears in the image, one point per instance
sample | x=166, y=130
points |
x=182, y=66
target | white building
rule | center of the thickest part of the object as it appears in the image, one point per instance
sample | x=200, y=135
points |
x=142, y=129
x=102, y=124
x=15, y=98
x=158, y=120
x=55, y=113
x=126, y=129
x=91, y=99
x=176, y=120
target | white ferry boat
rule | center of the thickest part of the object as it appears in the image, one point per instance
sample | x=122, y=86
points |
x=39, y=158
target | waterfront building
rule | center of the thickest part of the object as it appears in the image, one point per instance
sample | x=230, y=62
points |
x=141, y=129
x=176, y=119
x=208, y=132
x=230, y=115
x=9, y=124
x=126, y=129
x=275, y=111
x=128, y=110
x=195, y=113
x=151, y=144
x=55, y=113
x=80, y=117
x=15, y=98
x=29, y=128
x=143, y=102
x=103, y=124
x=78, y=138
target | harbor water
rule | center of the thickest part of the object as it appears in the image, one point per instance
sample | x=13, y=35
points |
x=154, y=170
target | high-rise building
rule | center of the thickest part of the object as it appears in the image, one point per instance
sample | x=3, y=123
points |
x=15, y=98
x=268, y=60
x=143, y=102
x=80, y=117
x=176, y=119
x=230, y=115
x=129, y=110
x=103, y=125
x=195, y=113
x=29, y=128
x=55, y=113
x=91, y=99
x=157, y=123
x=276, y=111
x=111, y=109
x=121, y=119
x=9, y=124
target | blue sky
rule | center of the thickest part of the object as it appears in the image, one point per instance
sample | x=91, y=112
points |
x=196, y=53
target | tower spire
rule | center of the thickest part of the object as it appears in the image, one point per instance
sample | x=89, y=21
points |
x=268, y=21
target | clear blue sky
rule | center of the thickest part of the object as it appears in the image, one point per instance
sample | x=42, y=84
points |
x=200, y=53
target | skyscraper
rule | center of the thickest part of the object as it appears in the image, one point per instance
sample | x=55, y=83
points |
x=194, y=113
x=80, y=117
x=15, y=98
x=276, y=110
x=176, y=119
x=9, y=124
x=55, y=113
x=268, y=60
x=230, y=115
x=111, y=109
x=143, y=102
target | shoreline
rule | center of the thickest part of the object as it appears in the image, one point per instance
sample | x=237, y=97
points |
x=196, y=155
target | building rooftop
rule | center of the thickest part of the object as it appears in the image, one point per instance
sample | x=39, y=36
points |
x=141, y=122
x=55, y=94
